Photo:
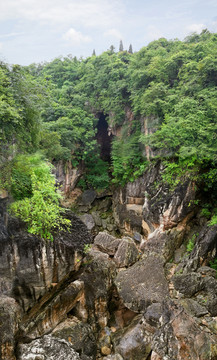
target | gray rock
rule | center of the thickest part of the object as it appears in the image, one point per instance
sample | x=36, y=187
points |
x=113, y=357
x=88, y=197
x=97, y=218
x=207, y=271
x=134, y=342
x=52, y=310
x=153, y=314
x=10, y=314
x=143, y=284
x=194, y=308
x=110, y=227
x=88, y=220
x=106, y=243
x=47, y=347
x=212, y=306
x=79, y=334
x=188, y=284
x=127, y=253
x=29, y=265
x=105, y=204
x=180, y=337
x=137, y=237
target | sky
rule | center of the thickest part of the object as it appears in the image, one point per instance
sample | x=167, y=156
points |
x=35, y=31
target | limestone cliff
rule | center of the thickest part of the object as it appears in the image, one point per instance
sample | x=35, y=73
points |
x=138, y=292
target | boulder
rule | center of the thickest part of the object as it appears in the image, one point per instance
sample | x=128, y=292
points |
x=88, y=197
x=88, y=220
x=98, y=276
x=135, y=341
x=188, y=284
x=78, y=334
x=127, y=253
x=143, y=284
x=106, y=243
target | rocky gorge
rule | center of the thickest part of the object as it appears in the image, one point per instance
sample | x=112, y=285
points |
x=131, y=280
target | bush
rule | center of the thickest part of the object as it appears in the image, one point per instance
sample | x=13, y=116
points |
x=40, y=209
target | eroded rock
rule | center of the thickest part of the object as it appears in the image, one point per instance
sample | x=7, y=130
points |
x=127, y=253
x=10, y=314
x=143, y=284
x=47, y=347
x=106, y=243
x=78, y=334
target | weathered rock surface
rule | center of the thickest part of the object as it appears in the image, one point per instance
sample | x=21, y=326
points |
x=123, y=299
x=180, y=337
x=10, y=314
x=143, y=284
x=79, y=334
x=106, y=243
x=127, y=253
x=88, y=220
x=29, y=266
x=142, y=207
x=47, y=348
x=135, y=341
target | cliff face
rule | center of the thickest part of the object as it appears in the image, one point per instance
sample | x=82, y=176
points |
x=141, y=295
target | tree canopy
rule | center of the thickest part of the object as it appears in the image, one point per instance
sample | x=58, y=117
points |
x=162, y=97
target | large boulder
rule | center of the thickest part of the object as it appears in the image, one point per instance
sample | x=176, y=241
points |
x=135, y=341
x=142, y=284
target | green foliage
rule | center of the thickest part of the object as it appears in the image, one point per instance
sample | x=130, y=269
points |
x=127, y=159
x=191, y=243
x=205, y=211
x=171, y=86
x=213, y=264
x=213, y=220
x=38, y=204
x=96, y=174
x=87, y=248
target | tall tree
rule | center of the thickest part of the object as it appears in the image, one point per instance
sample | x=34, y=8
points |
x=112, y=49
x=94, y=52
x=130, y=49
x=121, y=47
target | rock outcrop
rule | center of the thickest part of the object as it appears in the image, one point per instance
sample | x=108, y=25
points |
x=144, y=294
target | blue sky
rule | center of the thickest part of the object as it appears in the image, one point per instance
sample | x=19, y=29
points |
x=40, y=30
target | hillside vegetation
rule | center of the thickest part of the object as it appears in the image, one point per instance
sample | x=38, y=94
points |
x=170, y=86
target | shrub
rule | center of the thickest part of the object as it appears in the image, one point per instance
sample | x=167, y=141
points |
x=40, y=209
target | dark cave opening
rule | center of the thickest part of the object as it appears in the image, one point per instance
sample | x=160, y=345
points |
x=103, y=138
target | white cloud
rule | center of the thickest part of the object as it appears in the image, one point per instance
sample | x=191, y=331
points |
x=1, y=46
x=113, y=33
x=11, y=35
x=76, y=37
x=86, y=12
x=196, y=27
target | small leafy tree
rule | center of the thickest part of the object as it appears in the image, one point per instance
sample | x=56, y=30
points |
x=40, y=209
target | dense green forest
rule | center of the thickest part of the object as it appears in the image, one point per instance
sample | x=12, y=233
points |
x=163, y=97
